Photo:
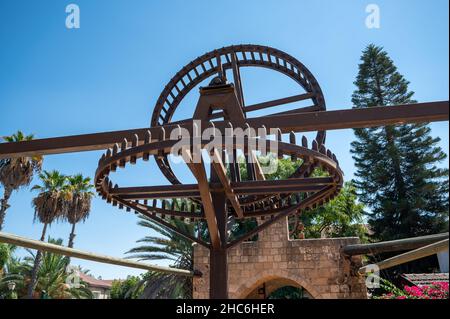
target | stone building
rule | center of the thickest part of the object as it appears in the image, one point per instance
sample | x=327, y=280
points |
x=258, y=268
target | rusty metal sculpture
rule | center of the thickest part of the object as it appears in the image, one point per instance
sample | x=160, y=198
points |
x=222, y=196
x=225, y=196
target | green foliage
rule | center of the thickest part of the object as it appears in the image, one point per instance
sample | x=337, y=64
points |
x=60, y=197
x=11, y=272
x=79, y=204
x=341, y=217
x=18, y=137
x=81, y=194
x=170, y=246
x=127, y=289
x=54, y=194
x=4, y=255
x=285, y=167
x=287, y=292
x=241, y=227
x=52, y=276
x=397, y=175
x=63, y=197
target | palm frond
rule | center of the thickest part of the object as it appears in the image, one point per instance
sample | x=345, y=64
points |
x=166, y=245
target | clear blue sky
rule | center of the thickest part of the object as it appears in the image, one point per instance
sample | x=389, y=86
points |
x=108, y=74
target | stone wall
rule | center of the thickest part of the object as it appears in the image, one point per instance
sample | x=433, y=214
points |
x=255, y=269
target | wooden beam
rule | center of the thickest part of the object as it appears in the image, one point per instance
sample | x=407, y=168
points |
x=61, y=250
x=164, y=191
x=356, y=118
x=286, y=183
x=298, y=122
x=392, y=245
x=167, y=195
x=258, y=169
x=312, y=108
x=275, y=190
x=237, y=79
x=221, y=171
x=218, y=258
x=277, y=102
x=286, y=100
x=198, y=170
x=409, y=256
x=143, y=210
x=239, y=188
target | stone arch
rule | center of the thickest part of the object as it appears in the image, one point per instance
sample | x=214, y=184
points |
x=287, y=277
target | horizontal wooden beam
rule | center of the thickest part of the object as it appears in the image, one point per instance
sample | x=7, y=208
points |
x=272, y=103
x=239, y=188
x=275, y=190
x=167, y=195
x=297, y=122
x=392, y=245
x=409, y=256
x=164, y=191
x=285, y=183
x=61, y=250
x=277, y=102
x=357, y=118
x=152, y=215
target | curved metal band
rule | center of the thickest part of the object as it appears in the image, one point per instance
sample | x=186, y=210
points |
x=119, y=157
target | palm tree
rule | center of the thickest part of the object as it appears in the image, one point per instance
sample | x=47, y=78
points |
x=16, y=172
x=80, y=205
x=49, y=205
x=53, y=276
x=11, y=271
x=5, y=254
x=168, y=246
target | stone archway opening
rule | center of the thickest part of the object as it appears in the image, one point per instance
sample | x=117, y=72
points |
x=279, y=288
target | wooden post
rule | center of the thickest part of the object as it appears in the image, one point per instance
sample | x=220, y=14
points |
x=218, y=278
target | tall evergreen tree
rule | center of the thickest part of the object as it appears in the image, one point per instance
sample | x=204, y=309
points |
x=397, y=176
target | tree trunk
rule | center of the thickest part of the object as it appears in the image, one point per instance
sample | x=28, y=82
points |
x=392, y=151
x=72, y=236
x=71, y=241
x=4, y=205
x=396, y=161
x=392, y=148
x=37, y=263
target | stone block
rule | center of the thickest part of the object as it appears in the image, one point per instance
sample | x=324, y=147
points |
x=276, y=244
x=334, y=288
